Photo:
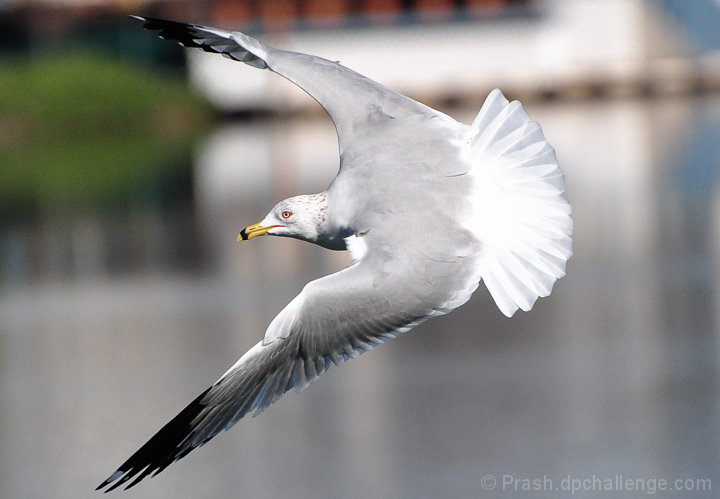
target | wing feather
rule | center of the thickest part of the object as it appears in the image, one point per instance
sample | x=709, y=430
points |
x=327, y=82
x=334, y=319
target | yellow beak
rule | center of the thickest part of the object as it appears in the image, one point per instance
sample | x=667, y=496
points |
x=253, y=231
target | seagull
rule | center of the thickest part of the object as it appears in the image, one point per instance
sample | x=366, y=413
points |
x=427, y=208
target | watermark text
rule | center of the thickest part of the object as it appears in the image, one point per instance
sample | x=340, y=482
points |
x=593, y=483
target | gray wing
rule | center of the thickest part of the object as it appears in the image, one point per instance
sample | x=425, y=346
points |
x=333, y=319
x=348, y=97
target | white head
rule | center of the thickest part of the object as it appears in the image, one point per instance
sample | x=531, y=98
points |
x=301, y=217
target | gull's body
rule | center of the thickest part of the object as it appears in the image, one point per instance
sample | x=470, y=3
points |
x=428, y=207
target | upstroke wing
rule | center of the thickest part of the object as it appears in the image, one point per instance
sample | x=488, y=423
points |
x=351, y=99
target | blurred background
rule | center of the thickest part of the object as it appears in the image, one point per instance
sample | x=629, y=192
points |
x=128, y=166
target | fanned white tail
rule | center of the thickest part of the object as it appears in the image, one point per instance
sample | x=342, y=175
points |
x=520, y=213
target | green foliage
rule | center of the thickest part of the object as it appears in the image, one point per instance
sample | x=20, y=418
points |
x=81, y=130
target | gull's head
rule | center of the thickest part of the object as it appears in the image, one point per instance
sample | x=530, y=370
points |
x=301, y=217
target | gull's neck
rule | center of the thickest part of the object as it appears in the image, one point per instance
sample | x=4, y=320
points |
x=329, y=235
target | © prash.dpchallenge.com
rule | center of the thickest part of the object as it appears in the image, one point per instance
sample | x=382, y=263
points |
x=594, y=483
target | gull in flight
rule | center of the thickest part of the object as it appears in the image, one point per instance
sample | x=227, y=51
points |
x=427, y=208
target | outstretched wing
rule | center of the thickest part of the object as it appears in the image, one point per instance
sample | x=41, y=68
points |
x=333, y=319
x=348, y=97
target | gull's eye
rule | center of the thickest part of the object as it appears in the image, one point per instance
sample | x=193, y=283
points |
x=286, y=214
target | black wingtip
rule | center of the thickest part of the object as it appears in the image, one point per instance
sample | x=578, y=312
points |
x=119, y=473
x=183, y=33
x=164, y=448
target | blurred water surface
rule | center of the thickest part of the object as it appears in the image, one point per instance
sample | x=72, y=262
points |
x=615, y=373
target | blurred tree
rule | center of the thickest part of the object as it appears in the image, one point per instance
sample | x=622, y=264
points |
x=84, y=130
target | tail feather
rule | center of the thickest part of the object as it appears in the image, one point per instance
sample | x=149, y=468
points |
x=520, y=212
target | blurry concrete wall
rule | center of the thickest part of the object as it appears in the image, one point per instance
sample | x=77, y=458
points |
x=560, y=47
